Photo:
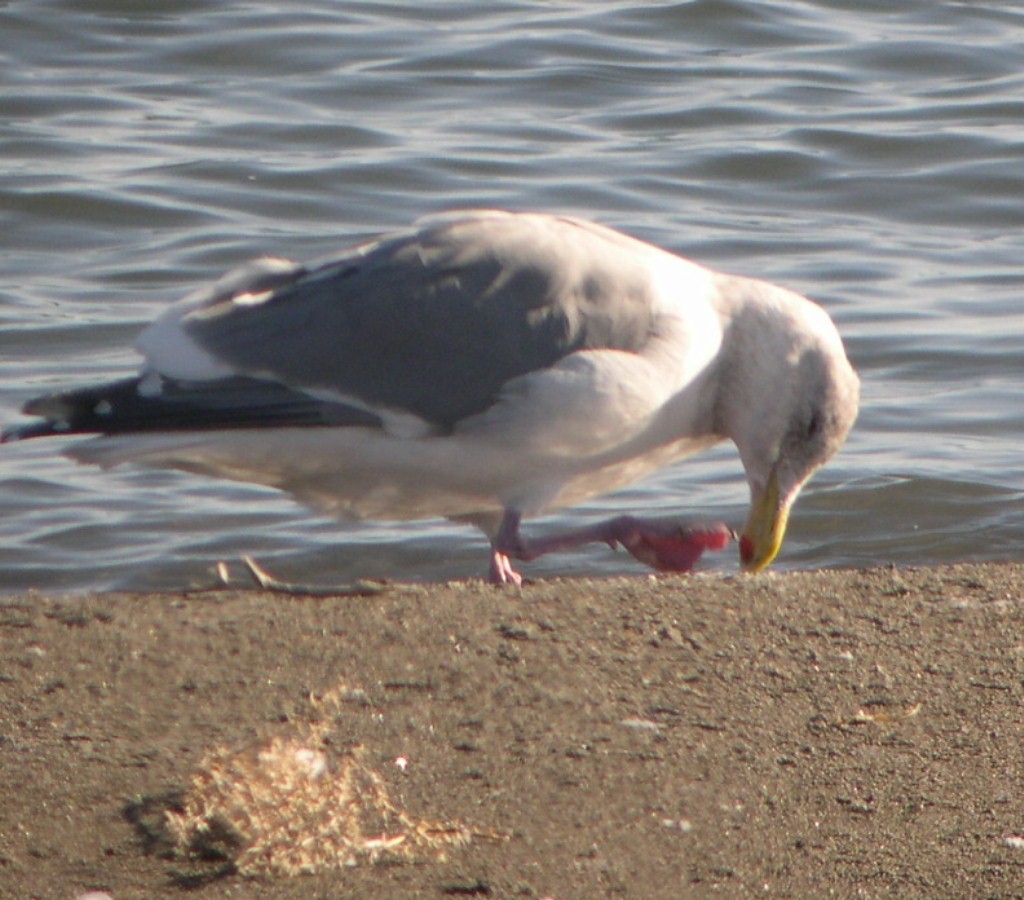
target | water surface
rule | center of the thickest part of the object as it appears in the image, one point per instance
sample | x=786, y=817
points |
x=866, y=154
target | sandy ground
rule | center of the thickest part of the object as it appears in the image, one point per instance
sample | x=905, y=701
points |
x=846, y=733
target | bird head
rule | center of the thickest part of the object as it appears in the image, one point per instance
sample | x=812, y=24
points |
x=789, y=399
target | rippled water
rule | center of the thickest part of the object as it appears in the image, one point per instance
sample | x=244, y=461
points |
x=868, y=154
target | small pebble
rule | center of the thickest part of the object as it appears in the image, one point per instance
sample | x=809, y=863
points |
x=641, y=725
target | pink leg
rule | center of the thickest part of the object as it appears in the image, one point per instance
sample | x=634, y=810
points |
x=666, y=546
x=506, y=544
x=501, y=571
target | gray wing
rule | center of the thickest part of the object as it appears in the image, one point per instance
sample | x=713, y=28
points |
x=436, y=320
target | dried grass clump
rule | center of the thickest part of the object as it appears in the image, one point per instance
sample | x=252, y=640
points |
x=294, y=805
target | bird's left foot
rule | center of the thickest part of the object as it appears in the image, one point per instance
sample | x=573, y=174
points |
x=665, y=546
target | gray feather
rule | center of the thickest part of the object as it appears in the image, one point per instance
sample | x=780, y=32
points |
x=435, y=321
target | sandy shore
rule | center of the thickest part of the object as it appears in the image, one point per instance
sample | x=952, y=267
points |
x=854, y=733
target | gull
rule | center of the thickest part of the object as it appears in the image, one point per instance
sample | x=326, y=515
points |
x=483, y=366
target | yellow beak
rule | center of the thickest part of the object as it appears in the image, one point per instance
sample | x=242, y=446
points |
x=766, y=527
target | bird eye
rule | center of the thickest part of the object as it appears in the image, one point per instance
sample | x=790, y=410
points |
x=814, y=425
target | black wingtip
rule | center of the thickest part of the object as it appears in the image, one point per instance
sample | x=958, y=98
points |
x=66, y=412
x=31, y=430
x=239, y=402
